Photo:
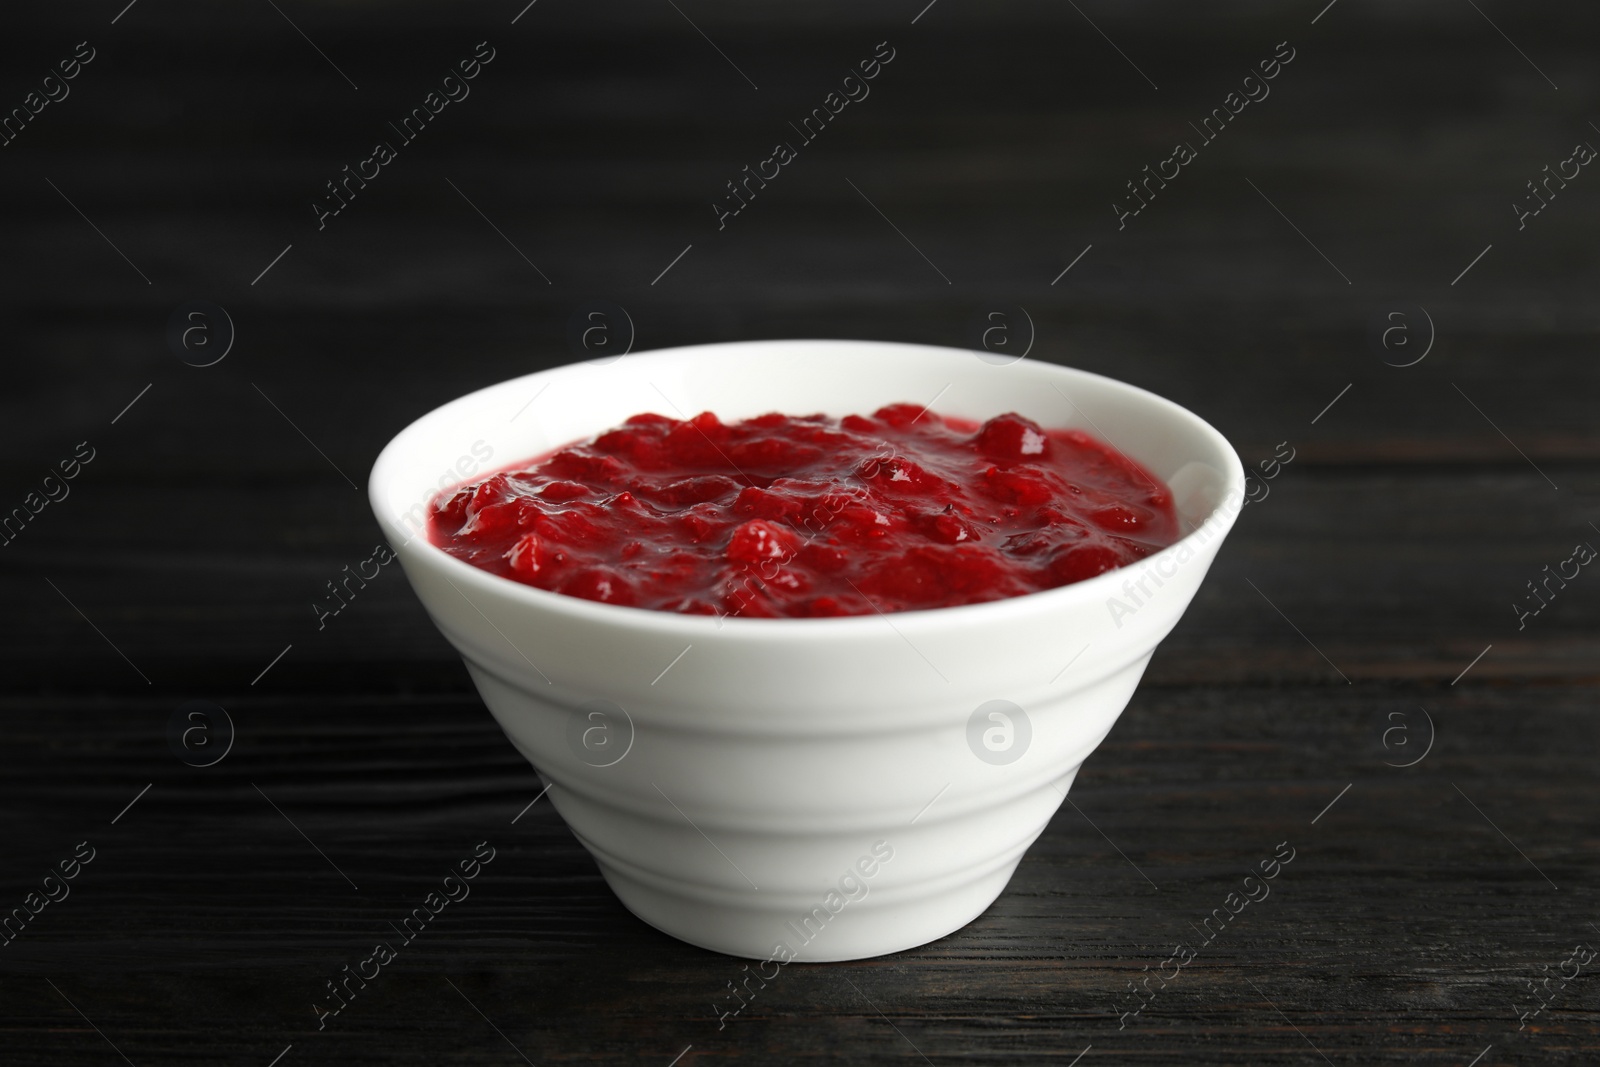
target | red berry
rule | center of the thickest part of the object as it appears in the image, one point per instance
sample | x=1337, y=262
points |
x=946, y=527
x=1012, y=438
x=759, y=540
x=765, y=504
x=698, y=525
x=1085, y=560
x=560, y=492
x=900, y=416
x=525, y=557
x=1018, y=485
x=585, y=467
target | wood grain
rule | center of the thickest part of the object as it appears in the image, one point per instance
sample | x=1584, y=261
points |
x=1418, y=905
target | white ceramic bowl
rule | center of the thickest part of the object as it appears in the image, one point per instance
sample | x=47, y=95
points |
x=813, y=789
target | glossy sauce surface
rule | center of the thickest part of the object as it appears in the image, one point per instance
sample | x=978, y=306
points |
x=808, y=516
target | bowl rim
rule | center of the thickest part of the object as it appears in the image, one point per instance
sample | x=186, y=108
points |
x=1214, y=526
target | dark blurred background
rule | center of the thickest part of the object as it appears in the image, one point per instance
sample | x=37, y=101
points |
x=1379, y=585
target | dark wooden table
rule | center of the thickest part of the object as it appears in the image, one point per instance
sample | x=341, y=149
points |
x=1360, y=616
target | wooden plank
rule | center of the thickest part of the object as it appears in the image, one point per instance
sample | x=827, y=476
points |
x=1421, y=902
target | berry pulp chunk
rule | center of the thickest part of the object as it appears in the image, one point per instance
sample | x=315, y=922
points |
x=807, y=516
